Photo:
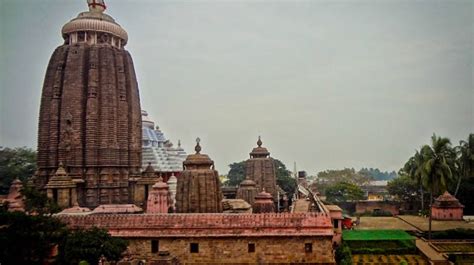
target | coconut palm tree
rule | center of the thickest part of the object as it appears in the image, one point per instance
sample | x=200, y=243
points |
x=413, y=168
x=438, y=166
x=466, y=160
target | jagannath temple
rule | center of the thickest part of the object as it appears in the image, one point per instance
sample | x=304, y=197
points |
x=103, y=160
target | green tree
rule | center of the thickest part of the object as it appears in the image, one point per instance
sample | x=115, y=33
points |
x=90, y=245
x=404, y=188
x=37, y=202
x=343, y=192
x=414, y=168
x=28, y=239
x=236, y=173
x=439, y=162
x=331, y=177
x=15, y=163
x=466, y=160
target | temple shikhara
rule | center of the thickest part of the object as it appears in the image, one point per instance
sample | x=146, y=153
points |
x=90, y=115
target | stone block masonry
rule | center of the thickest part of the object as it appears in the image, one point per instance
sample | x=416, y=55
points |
x=222, y=238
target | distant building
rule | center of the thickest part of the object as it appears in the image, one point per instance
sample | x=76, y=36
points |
x=376, y=190
x=159, y=152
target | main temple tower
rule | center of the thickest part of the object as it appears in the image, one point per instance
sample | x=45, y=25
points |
x=90, y=115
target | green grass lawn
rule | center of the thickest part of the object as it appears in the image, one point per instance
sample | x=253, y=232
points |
x=374, y=234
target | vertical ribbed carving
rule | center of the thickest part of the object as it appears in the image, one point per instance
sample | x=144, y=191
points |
x=90, y=119
x=198, y=188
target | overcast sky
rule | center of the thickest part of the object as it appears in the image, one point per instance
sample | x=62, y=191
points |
x=326, y=84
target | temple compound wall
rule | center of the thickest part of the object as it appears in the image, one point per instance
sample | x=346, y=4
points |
x=286, y=238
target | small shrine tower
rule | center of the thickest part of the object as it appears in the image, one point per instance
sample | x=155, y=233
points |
x=447, y=207
x=159, y=200
x=247, y=191
x=198, y=188
x=61, y=188
x=263, y=203
x=261, y=169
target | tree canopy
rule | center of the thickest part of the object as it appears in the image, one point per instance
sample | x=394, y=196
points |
x=90, y=245
x=15, y=163
x=332, y=177
x=404, y=188
x=376, y=174
x=343, y=192
x=28, y=239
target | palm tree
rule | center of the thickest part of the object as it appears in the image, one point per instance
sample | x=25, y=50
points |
x=466, y=160
x=438, y=165
x=413, y=168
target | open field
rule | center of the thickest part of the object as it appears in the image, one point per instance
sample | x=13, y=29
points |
x=384, y=223
x=410, y=223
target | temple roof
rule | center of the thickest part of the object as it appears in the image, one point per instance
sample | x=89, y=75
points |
x=95, y=20
x=61, y=179
x=209, y=225
x=76, y=209
x=263, y=195
x=259, y=151
x=198, y=159
x=159, y=151
x=117, y=209
x=446, y=200
x=160, y=184
x=247, y=183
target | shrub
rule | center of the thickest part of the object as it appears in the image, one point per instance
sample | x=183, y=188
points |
x=343, y=254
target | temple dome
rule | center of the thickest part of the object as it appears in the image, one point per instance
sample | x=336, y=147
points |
x=259, y=151
x=198, y=159
x=95, y=20
x=146, y=121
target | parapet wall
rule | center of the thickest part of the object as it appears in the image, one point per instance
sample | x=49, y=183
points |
x=206, y=225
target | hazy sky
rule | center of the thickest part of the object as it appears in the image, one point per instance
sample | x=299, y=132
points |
x=328, y=84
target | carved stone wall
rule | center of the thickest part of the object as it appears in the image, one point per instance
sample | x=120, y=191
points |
x=90, y=120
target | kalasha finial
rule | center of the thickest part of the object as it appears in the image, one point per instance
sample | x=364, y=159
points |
x=259, y=142
x=179, y=143
x=198, y=147
x=96, y=5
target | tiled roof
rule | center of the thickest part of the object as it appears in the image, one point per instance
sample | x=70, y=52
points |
x=208, y=225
